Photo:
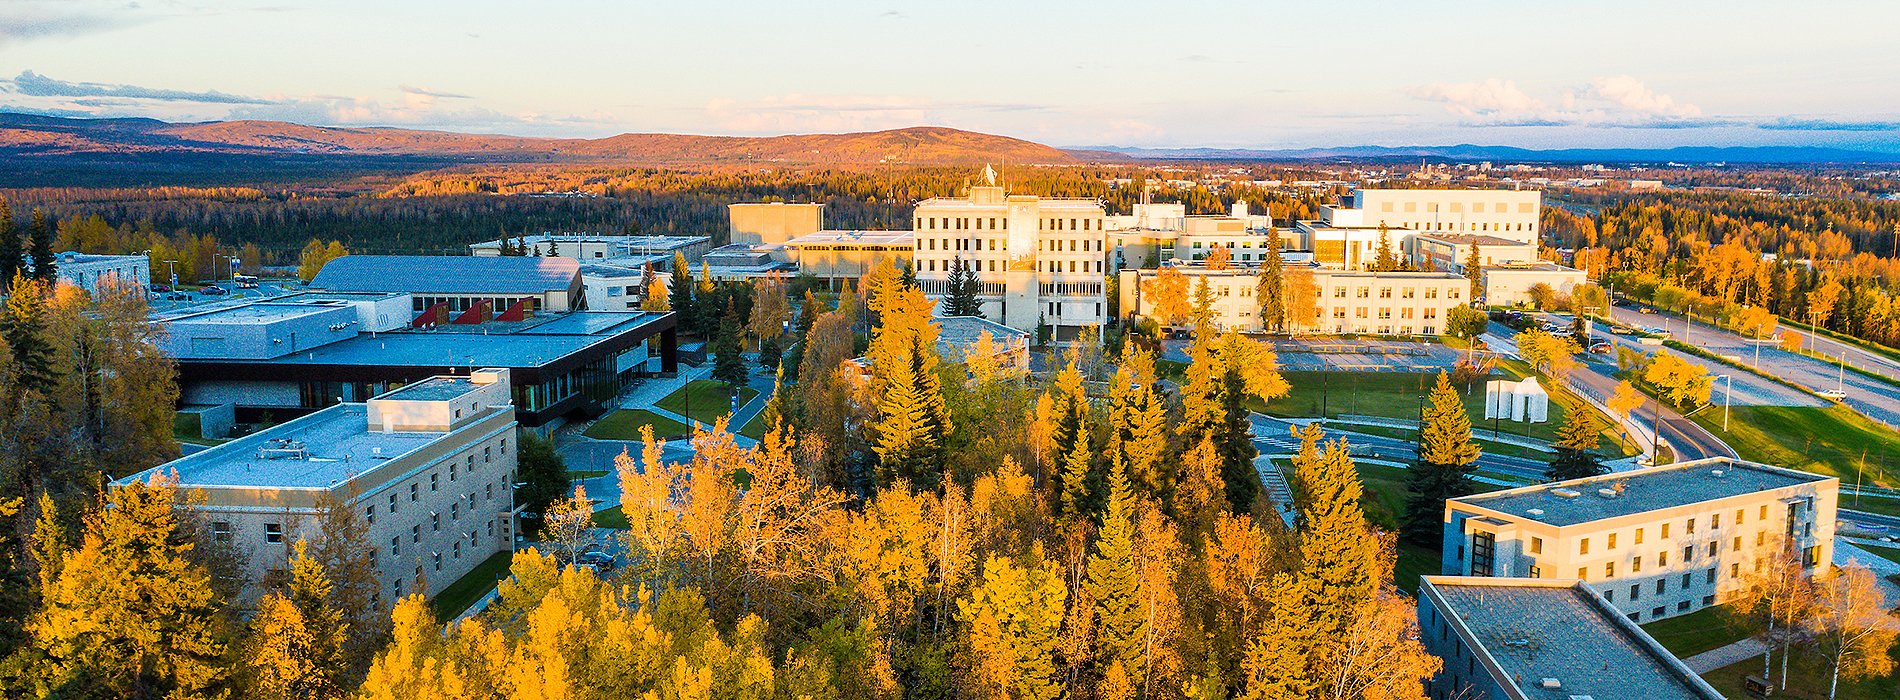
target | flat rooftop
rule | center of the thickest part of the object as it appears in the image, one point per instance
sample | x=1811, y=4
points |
x=426, y=274
x=495, y=344
x=261, y=312
x=1046, y=203
x=855, y=238
x=433, y=389
x=1543, y=631
x=336, y=442
x=1644, y=490
x=1539, y=266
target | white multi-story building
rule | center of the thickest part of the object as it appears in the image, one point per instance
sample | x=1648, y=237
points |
x=90, y=271
x=1385, y=303
x=430, y=467
x=1040, y=259
x=1503, y=213
x=1655, y=542
x=592, y=247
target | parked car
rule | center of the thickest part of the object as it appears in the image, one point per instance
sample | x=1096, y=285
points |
x=160, y=287
x=178, y=296
x=1602, y=348
x=1835, y=394
x=214, y=291
x=1645, y=310
x=598, y=561
x=1660, y=333
x=1620, y=330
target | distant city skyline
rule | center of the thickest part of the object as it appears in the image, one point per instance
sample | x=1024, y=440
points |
x=1219, y=75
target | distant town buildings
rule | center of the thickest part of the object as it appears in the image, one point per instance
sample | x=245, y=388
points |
x=1656, y=542
x=90, y=272
x=1386, y=303
x=429, y=467
x=602, y=248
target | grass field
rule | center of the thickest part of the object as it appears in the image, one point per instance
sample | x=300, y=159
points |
x=612, y=519
x=1808, y=680
x=1696, y=632
x=1831, y=440
x=1392, y=395
x=708, y=400
x=1384, y=503
x=625, y=425
x=755, y=428
x=466, y=590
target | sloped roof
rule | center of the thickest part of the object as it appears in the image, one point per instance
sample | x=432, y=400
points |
x=426, y=274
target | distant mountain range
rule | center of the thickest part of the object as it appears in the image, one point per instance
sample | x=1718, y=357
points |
x=33, y=144
x=31, y=137
x=1683, y=154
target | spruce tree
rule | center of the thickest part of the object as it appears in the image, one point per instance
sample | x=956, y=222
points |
x=1076, y=484
x=45, y=259
x=728, y=363
x=904, y=361
x=1138, y=426
x=1114, y=581
x=554, y=248
x=1272, y=289
x=12, y=255
x=1385, y=260
x=1337, y=553
x=1474, y=272
x=295, y=649
x=770, y=353
x=961, y=290
x=1445, y=457
x=1576, y=448
x=1203, y=313
x=682, y=293
x=24, y=327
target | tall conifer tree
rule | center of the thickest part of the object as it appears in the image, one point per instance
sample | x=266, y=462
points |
x=12, y=254
x=1114, y=580
x=1272, y=290
x=45, y=259
x=1576, y=448
x=1445, y=456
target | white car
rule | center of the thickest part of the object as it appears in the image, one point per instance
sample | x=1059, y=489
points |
x=1835, y=394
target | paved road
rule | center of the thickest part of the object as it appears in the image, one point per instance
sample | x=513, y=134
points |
x=1749, y=389
x=1873, y=398
x=1686, y=439
x=1272, y=435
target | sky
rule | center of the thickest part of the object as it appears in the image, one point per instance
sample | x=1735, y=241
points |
x=1260, y=74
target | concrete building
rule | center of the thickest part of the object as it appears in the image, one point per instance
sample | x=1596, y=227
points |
x=743, y=262
x=840, y=256
x=773, y=222
x=1511, y=283
x=1448, y=251
x=1530, y=639
x=1502, y=213
x=1386, y=303
x=599, y=247
x=1161, y=232
x=1041, y=260
x=290, y=355
x=1346, y=247
x=88, y=272
x=454, y=285
x=616, y=288
x=1655, y=542
x=430, y=466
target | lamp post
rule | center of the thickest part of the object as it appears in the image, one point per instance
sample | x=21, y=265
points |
x=1758, y=340
x=1685, y=322
x=1728, y=390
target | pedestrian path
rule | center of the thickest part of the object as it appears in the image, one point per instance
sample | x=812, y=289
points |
x=1279, y=493
x=1725, y=656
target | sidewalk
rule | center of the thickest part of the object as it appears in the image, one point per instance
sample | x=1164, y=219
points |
x=1724, y=656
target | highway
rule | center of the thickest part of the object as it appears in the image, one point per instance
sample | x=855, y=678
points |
x=1873, y=398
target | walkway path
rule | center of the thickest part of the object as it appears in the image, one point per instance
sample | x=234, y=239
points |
x=1724, y=656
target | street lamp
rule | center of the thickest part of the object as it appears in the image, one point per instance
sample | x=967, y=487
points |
x=1728, y=390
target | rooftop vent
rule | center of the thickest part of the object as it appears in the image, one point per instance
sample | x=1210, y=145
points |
x=1550, y=684
x=1566, y=493
x=1718, y=473
x=1607, y=493
x=1536, y=512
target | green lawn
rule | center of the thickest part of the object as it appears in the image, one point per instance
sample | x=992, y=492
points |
x=625, y=425
x=1696, y=632
x=1384, y=503
x=455, y=599
x=587, y=474
x=755, y=428
x=708, y=400
x=1395, y=395
x=1831, y=440
x=1808, y=680
x=612, y=519
x=1887, y=553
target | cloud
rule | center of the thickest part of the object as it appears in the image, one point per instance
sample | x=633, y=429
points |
x=1632, y=95
x=34, y=84
x=1610, y=102
x=797, y=113
x=431, y=93
x=26, y=20
x=1792, y=124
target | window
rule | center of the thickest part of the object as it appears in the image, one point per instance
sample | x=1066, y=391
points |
x=1636, y=564
x=1609, y=569
x=1406, y=293
x=1682, y=606
x=1688, y=554
x=432, y=481
x=1583, y=573
x=1708, y=600
x=1639, y=535
x=1738, y=515
x=1636, y=591
x=1339, y=292
x=1360, y=312
x=395, y=546
x=1658, y=611
x=1451, y=293
x=221, y=532
x=1583, y=546
x=1612, y=542
x=455, y=510
x=1761, y=537
x=392, y=503
x=504, y=445
x=1709, y=576
x=1689, y=527
x=1365, y=292
x=1385, y=292
x=370, y=514
x=1715, y=521
x=458, y=550
x=1735, y=570
x=398, y=588
x=1665, y=532
x=1713, y=547
x=1688, y=580
x=1609, y=596
x=1483, y=546
x=435, y=522
x=412, y=492
x=1431, y=292
x=1764, y=513
x=1662, y=584
x=485, y=456
x=438, y=561
x=273, y=532
x=1662, y=559
x=415, y=533
x=471, y=461
x=1737, y=544
x=1537, y=545
x=489, y=491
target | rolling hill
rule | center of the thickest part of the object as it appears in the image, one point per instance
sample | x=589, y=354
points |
x=33, y=137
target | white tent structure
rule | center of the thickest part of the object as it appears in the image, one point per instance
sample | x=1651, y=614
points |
x=1523, y=401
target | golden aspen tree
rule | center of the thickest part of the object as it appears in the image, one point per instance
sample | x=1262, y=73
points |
x=295, y=647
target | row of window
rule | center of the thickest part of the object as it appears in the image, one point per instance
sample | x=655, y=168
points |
x=455, y=552
x=1386, y=330
x=994, y=223
x=415, y=490
x=1386, y=292
x=1689, y=526
x=1476, y=207
x=1385, y=312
